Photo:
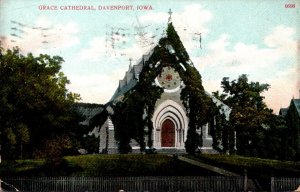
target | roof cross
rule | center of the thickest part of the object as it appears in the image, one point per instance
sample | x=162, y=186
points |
x=170, y=17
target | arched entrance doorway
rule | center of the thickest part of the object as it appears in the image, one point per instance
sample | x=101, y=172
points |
x=169, y=114
x=168, y=134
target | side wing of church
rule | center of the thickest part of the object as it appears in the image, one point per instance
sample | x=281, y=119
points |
x=169, y=71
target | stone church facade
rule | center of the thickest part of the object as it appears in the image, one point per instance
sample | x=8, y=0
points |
x=170, y=119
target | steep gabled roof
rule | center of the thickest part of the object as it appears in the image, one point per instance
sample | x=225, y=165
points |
x=283, y=111
x=171, y=42
x=87, y=111
x=296, y=103
x=131, y=77
x=223, y=108
x=172, y=45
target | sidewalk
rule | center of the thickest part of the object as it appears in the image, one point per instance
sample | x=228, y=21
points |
x=208, y=167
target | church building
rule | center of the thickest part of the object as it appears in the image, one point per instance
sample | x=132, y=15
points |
x=158, y=93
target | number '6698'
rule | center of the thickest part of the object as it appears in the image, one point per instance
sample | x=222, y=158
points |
x=289, y=5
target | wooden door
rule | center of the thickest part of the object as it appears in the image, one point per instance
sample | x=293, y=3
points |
x=168, y=134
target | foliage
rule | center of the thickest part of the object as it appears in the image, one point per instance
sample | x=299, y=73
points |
x=22, y=133
x=53, y=150
x=35, y=104
x=174, y=39
x=222, y=133
x=90, y=116
x=194, y=98
x=90, y=143
x=99, y=118
x=258, y=130
x=198, y=108
x=121, y=128
x=129, y=119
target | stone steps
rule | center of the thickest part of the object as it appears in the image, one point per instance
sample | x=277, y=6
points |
x=171, y=151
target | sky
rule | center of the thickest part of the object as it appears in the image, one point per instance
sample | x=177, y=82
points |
x=257, y=38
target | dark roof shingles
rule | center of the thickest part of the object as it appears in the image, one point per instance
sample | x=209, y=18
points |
x=297, y=105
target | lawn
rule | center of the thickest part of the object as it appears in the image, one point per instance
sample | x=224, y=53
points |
x=104, y=165
x=18, y=167
x=253, y=165
x=149, y=165
x=258, y=169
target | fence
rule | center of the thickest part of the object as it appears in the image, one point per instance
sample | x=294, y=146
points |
x=115, y=184
x=284, y=184
x=161, y=183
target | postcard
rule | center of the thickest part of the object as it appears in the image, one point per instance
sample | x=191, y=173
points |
x=110, y=47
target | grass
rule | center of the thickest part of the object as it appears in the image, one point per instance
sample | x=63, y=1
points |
x=114, y=165
x=149, y=165
x=28, y=164
x=259, y=169
x=18, y=167
x=240, y=163
x=105, y=165
x=132, y=165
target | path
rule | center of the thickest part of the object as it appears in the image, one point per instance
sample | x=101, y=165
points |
x=208, y=167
